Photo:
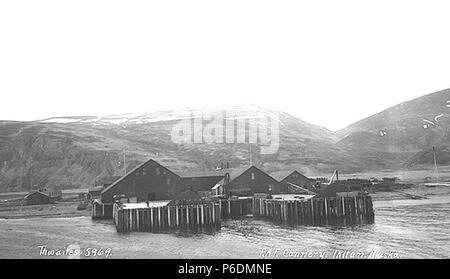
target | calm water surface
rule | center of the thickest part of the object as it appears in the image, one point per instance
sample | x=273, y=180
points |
x=410, y=228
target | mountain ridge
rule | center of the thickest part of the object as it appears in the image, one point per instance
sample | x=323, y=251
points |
x=72, y=151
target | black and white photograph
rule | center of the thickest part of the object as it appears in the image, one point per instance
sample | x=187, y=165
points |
x=225, y=130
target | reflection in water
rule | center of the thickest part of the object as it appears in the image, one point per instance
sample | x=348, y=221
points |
x=411, y=228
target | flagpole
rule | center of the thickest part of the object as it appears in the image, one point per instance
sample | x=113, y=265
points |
x=435, y=165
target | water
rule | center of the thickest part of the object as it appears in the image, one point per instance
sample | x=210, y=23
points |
x=405, y=228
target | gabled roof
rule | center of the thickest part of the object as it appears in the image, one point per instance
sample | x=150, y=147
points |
x=37, y=192
x=95, y=189
x=236, y=172
x=302, y=188
x=202, y=183
x=280, y=175
x=132, y=171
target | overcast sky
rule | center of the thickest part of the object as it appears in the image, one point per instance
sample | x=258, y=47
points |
x=327, y=62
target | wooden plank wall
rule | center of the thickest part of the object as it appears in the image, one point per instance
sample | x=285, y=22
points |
x=102, y=210
x=198, y=218
x=316, y=211
x=235, y=208
x=206, y=218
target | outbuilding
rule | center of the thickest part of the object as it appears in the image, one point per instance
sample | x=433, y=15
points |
x=38, y=197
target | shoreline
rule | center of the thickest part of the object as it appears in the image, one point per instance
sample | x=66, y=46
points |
x=58, y=215
x=57, y=210
x=68, y=209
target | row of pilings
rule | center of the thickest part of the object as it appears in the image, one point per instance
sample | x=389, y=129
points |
x=317, y=211
x=207, y=217
x=196, y=218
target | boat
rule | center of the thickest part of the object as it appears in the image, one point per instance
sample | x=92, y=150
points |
x=445, y=184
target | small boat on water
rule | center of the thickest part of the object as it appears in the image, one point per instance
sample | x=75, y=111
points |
x=446, y=184
x=410, y=196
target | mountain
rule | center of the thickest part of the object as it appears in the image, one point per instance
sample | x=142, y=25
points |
x=406, y=132
x=70, y=152
x=73, y=151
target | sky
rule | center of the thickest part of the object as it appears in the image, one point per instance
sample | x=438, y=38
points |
x=330, y=63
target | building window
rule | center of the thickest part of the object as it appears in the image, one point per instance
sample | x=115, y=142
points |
x=253, y=176
x=143, y=171
x=168, y=180
x=270, y=187
x=157, y=171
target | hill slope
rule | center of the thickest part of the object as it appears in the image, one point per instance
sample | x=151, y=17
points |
x=68, y=152
x=405, y=131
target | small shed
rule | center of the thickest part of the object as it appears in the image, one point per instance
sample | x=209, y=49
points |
x=337, y=189
x=217, y=190
x=38, y=197
x=55, y=195
x=95, y=193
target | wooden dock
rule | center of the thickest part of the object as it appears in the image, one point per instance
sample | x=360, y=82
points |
x=207, y=217
x=235, y=208
x=316, y=211
x=196, y=218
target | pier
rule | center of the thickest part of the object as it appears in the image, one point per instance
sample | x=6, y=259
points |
x=207, y=217
x=316, y=211
x=235, y=208
x=195, y=218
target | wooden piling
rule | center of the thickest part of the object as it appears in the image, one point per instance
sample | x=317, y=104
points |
x=325, y=211
x=187, y=218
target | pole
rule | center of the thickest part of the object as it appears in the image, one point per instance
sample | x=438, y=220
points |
x=435, y=165
x=250, y=147
x=124, y=162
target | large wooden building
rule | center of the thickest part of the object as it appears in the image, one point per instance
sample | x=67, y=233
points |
x=294, y=178
x=201, y=182
x=152, y=181
x=248, y=180
x=148, y=181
